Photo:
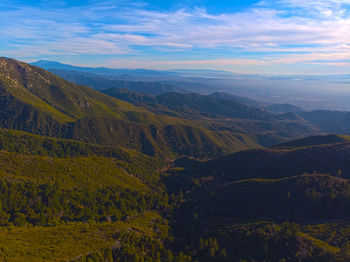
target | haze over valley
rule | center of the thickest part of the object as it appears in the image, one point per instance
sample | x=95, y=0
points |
x=310, y=92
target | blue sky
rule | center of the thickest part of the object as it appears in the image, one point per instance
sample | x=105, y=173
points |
x=264, y=37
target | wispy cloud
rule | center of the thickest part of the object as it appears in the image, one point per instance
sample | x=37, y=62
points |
x=271, y=32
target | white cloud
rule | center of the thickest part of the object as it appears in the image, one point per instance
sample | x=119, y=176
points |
x=303, y=31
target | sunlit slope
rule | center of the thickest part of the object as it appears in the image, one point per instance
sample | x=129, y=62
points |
x=37, y=101
x=219, y=113
x=105, y=241
x=63, y=100
x=65, y=200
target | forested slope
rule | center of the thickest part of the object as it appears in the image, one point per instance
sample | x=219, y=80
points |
x=282, y=204
x=37, y=101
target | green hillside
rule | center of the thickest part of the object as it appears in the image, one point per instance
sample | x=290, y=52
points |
x=266, y=204
x=105, y=241
x=37, y=101
x=64, y=200
x=61, y=99
x=85, y=177
x=217, y=113
x=44, y=190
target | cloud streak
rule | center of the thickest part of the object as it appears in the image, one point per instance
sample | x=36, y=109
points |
x=271, y=32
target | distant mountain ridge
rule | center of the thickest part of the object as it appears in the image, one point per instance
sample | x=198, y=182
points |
x=189, y=104
x=37, y=101
x=100, y=82
x=45, y=64
x=243, y=100
x=106, y=78
x=197, y=104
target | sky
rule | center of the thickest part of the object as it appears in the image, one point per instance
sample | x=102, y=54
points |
x=242, y=36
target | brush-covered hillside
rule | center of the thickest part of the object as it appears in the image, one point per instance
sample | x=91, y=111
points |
x=322, y=154
x=217, y=113
x=269, y=123
x=65, y=200
x=289, y=203
x=37, y=101
x=76, y=201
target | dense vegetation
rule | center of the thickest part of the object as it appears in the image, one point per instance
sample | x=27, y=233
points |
x=278, y=163
x=138, y=239
x=262, y=205
x=105, y=201
x=77, y=187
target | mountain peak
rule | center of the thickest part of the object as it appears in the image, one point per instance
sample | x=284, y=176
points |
x=47, y=64
x=52, y=95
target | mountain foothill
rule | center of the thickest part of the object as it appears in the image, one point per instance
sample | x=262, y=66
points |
x=97, y=167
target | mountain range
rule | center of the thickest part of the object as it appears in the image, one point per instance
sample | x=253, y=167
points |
x=310, y=92
x=37, y=101
x=123, y=170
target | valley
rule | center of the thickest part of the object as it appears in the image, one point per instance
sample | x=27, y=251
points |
x=167, y=175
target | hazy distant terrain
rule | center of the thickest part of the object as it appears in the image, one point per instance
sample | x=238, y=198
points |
x=330, y=92
x=309, y=92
